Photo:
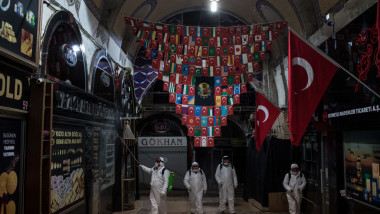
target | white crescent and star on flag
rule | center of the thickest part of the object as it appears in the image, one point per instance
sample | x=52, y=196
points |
x=265, y=110
x=309, y=70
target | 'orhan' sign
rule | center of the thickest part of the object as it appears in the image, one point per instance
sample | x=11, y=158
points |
x=162, y=141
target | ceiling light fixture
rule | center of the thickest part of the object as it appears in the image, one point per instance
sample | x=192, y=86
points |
x=214, y=5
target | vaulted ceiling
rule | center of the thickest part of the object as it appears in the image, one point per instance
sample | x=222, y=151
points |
x=304, y=16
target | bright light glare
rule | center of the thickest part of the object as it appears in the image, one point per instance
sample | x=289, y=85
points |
x=213, y=6
x=75, y=48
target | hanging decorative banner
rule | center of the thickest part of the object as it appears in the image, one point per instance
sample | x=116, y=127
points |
x=205, y=69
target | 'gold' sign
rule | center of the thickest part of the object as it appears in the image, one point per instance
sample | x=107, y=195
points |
x=14, y=87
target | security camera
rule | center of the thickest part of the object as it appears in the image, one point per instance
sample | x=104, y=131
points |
x=40, y=80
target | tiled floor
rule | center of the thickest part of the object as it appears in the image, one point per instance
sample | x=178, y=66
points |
x=180, y=205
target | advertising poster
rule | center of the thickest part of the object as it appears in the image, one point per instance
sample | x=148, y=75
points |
x=19, y=28
x=67, y=171
x=14, y=88
x=10, y=131
x=362, y=160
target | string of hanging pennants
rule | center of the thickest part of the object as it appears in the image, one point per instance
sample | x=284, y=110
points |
x=205, y=69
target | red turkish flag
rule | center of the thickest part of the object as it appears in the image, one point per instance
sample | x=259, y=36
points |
x=218, y=90
x=224, y=80
x=178, y=108
x=266, y=115
x=180, y=29
x=166, y=66
x=230, y=109
x=205, y=71
x=212, y=42
x=192, y=31
x=148, y=52
x=224, y=101
x=160, y=37
x=205, y=51
x=190, y=131
x=185, y=40
x=160, y=55
x=204, y=131
x=191, y=90
x=218, y=51
x=224, y=121
x=191, y=111
x=210, y=121
x=309, y=75
x=198, y=61
x=186, y=80
x=230, y=89
x=185, y=60
x=224, y=42
x=210, y=141
x=184, y=99
x=178, y=89
x=166, y=28
x=198, y=41
x=173, y=58
x=172, y=77
x=191, y=50
x=224, y=60
x=191, y=70
x=179, y=49
x=184, y=119
x=243, y=88
x=217, y=110
x=166, y=86
x=218, y=71
x=160, y=75
x=249, y=77
x=172, y=97
x=236, y=98
x=198, y=121
x=217, y=131
x=204, y=111
x=197, y=141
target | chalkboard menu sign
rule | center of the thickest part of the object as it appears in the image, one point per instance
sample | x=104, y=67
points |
x=10, y=131
x=67, y=171
x=19, y=29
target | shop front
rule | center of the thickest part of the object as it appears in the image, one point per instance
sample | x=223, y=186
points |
x=19, y=57
x=339, y=152
x=84, y=164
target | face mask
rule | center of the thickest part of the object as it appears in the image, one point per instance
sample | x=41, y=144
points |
x=226, y=164
x=195, y=170
x=156, y=164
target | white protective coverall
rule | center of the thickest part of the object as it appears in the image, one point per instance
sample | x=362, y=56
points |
x=294, y=188
x=227, y=181
x=158, y=187
x=196, y=182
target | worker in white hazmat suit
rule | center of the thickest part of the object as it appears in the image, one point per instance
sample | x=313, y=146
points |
x=196, y=184
x=294, y=182
x=158, y=185
x=227, y=181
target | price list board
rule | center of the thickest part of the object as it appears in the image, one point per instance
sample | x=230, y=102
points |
x=10, y=137
x=19, y=29
x=67, y=171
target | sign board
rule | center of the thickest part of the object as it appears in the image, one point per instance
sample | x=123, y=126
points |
x=67, y=170
x=361, y=155
x=20, y=30
x=13, y=88
x=10, y=137
x=162, y=141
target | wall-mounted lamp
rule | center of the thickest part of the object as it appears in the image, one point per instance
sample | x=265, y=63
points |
x=330, y=19
x=214, y=6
